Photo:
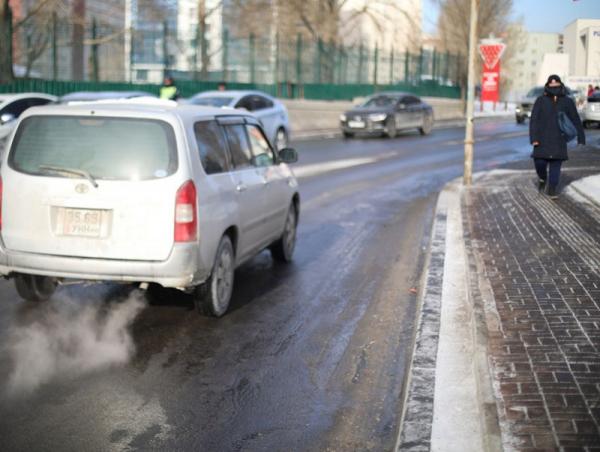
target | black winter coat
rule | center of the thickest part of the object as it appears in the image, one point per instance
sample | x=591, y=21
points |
x=543, y=127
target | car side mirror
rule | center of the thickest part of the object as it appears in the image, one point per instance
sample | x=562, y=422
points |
x=288, y=155
x=401, y=107
x=6, y=118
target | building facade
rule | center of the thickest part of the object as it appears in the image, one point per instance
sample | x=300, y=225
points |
x=582, y=43
x=528, y=62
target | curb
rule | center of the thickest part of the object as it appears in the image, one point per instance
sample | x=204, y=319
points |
x=417, y=416
x=449, y=398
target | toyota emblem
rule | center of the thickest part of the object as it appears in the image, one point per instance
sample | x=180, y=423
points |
x=81, y=188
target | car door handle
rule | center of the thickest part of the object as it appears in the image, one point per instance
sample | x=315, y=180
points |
x=240, y=187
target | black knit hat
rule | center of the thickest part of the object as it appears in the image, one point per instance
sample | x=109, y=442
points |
x=554, y=77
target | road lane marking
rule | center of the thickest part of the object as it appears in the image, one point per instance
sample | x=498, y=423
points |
x=319, y=168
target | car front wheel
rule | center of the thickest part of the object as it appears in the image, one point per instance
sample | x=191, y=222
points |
x=390, y=128
x=35, y=288
x=212, y=298
x=283, y=249
x=425, y=129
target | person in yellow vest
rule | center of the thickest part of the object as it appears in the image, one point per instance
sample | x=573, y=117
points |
x=169, y=91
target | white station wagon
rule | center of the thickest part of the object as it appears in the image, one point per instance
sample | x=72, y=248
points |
x=173, y=195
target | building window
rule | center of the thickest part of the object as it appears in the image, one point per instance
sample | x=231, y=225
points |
x=142, y=75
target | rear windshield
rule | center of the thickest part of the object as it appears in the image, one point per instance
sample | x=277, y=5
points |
x=106, y=148
x=217, y=101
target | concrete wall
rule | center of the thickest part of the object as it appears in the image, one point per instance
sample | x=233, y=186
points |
x=316, y=116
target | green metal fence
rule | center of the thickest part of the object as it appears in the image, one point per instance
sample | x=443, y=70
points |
x=313, y=91
x=290, y=67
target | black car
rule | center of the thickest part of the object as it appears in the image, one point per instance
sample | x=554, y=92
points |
x=387, y=113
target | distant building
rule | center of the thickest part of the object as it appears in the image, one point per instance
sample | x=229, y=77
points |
x=153, y=40
x=530, y=62
x=582, y=43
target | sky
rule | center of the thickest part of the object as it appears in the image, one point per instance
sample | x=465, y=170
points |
x=538, y=15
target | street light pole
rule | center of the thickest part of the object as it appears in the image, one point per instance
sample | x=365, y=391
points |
x=468, y=170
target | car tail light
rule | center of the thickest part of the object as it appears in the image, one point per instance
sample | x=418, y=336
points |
x=1, y=187
x=186, y=218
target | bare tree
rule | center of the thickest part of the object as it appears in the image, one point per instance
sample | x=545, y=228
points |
x=6, y=55
x=493, y=19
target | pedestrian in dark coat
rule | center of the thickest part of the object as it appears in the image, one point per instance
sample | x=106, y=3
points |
x=549, y=144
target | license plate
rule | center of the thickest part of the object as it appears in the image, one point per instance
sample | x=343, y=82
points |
x=356, y=124
x=82, y=222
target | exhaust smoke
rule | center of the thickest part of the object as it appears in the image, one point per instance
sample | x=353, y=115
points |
x=69, y=338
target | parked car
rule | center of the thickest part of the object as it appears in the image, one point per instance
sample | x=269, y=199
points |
x=591, y=111
x=387, y=113
x=173, y=195
x=271, y=112
x=11, y=107
x=93, y=96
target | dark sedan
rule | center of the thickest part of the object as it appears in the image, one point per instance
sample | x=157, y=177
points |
x=386, y=114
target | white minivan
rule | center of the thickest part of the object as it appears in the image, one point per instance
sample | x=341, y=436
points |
x=173, y=195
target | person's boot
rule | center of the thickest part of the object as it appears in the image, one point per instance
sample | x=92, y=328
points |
x=541, y=185
x=552, y=192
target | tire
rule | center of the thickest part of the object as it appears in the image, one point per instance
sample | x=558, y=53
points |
x=283, y=249
x=281, y=139
x=35, y=288
x=586, y=124
x=427, y=125
x=212, y=298
x=347, y=134
x=520, y=119
x=390, y=128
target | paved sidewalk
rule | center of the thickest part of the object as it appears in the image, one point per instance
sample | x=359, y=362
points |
x=542, y=260
x=531, y=310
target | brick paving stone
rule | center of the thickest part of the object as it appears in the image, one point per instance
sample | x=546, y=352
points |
x=542, y=261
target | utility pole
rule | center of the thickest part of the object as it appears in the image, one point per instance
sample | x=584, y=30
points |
x=468, y=170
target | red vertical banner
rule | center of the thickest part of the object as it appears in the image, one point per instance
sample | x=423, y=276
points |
x=491, y=51
x=490, y=83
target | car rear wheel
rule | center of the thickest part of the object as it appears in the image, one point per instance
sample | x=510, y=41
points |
x=283, y=249
x=348, y=134
x=425, y=129
x=520, y=119
x=281, y=139
x=35, y=288
x=212, y=298
x=586, y=124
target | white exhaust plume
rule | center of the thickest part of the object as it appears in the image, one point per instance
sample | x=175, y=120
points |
x=69, y=338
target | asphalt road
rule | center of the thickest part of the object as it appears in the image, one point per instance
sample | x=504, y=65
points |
x=311, y=356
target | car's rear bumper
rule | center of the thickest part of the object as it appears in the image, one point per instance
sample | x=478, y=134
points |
x=591, y=115
x=182, y=268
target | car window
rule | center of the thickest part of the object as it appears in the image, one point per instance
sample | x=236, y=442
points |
x=245, y=102
x=239, y=147
x=37, y=101
x=16, y=108
x=260, y=103
x=107, y=148
x=212, y=147
x=536, y=92
x=379, y=101
x=217, y=101
x=262, y=154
